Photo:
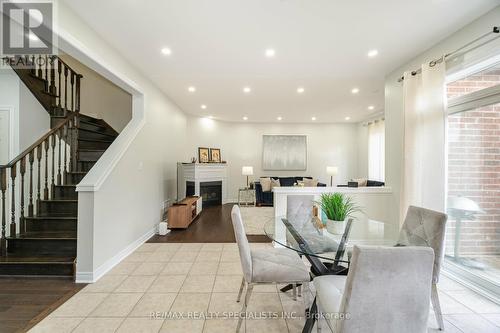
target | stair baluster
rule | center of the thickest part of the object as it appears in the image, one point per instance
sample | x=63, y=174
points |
x=52, y=64
x=59, y=70
x=40, y=72
x=39, y=179
x=22, y=170
x=33, y=65
x=65, y=172
x=52, y=183
x=31, y=159
x=65, y=88
x=59, y=135
x=72, y=92
x=71, y=126
x=46, y=183
x=46, y=74
x=3, y=189
x=13, y=174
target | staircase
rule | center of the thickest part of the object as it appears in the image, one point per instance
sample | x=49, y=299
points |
x=39, y=202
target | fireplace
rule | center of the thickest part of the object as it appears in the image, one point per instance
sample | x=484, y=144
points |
x=207, y=180
x=211, y=193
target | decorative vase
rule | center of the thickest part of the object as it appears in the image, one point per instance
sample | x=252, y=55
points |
x=335, y=227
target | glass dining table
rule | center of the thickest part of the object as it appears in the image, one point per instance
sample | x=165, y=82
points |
x=328, y=253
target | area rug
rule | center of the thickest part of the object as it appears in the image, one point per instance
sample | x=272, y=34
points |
x=254, y=219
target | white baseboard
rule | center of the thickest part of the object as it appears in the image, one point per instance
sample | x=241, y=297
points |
x=91, y=277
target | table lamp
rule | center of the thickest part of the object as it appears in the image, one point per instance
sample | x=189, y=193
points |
x=247, y=171
x=332, y=171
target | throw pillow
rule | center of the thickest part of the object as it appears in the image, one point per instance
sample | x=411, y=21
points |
x=310, y=182
x=266, y=184
x=361, y=181
x=274, y=183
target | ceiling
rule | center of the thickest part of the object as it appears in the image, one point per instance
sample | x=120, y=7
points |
x=218, y=46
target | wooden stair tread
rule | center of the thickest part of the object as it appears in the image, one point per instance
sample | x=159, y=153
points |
x=51, y=217
x=95, y=140
x=46, y=235
x=97, y=132
x=59, y=200
x=14, y=259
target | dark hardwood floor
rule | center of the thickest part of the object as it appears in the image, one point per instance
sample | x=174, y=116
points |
x=212, y=226
x=26, y=301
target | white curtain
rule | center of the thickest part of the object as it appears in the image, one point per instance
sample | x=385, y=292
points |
x=376, y=150
x=424, y=174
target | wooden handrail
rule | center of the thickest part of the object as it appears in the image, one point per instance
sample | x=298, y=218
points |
x=38, y=142
x=69, y=67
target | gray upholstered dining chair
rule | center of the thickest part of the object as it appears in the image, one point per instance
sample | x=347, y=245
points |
x=424, y=227
x=387, y=289
x=269, y=266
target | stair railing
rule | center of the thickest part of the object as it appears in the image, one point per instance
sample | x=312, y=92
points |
x=32, y=176
x=61, y=81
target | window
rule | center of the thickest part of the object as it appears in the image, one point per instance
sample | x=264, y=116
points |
x=473, y=181
x=376, y=150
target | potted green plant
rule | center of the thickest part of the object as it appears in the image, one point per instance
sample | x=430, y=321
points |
x=337, y=208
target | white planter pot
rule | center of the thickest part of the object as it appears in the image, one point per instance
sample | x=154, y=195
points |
x=335, y=227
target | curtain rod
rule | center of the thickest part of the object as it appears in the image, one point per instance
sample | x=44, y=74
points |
x=496, y=30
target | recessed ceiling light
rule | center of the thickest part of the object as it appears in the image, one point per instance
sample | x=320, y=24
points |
x=355, y=90
x=313, y=118
x=203, y=106
x=371, y=107
x=347, y=118
x=166, y=51
x=270, y=53
x=246, y=90
x=245, y=118
x=372, y=53
x=300, y=90
x=191, y=89
x=279, y=118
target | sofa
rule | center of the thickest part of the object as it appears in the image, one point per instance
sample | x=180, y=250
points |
x=266, y=198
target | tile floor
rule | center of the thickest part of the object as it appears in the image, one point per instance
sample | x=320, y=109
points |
x=195, y=278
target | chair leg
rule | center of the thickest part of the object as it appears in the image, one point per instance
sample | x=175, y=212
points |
x=319, y=321
x=437, y=307
x=294, y=291
x=245, y=304
x=299, y=290
x=241, y=289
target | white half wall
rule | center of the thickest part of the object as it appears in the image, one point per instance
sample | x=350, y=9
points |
x=394, y=95
x=120, y=199
x=241, y=145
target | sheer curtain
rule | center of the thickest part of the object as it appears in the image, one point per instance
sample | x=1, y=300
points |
x=424, y=139
x=376, y=150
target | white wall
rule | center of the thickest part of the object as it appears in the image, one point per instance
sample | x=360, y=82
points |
x=100, y=98
x=30, y=119
x=241, y=145
x=120, y=199
x=34, y=120
x=394, y=95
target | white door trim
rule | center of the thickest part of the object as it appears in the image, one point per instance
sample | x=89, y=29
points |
x=12, y=122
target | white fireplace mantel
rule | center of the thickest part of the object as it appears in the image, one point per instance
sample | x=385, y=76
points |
x=199, y=173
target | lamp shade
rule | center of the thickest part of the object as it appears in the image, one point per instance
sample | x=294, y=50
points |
x=463, y=204
x=332, y=170
x=247, y=171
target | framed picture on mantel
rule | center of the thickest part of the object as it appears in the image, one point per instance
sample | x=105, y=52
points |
x=215, y=155
x=203, y=155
